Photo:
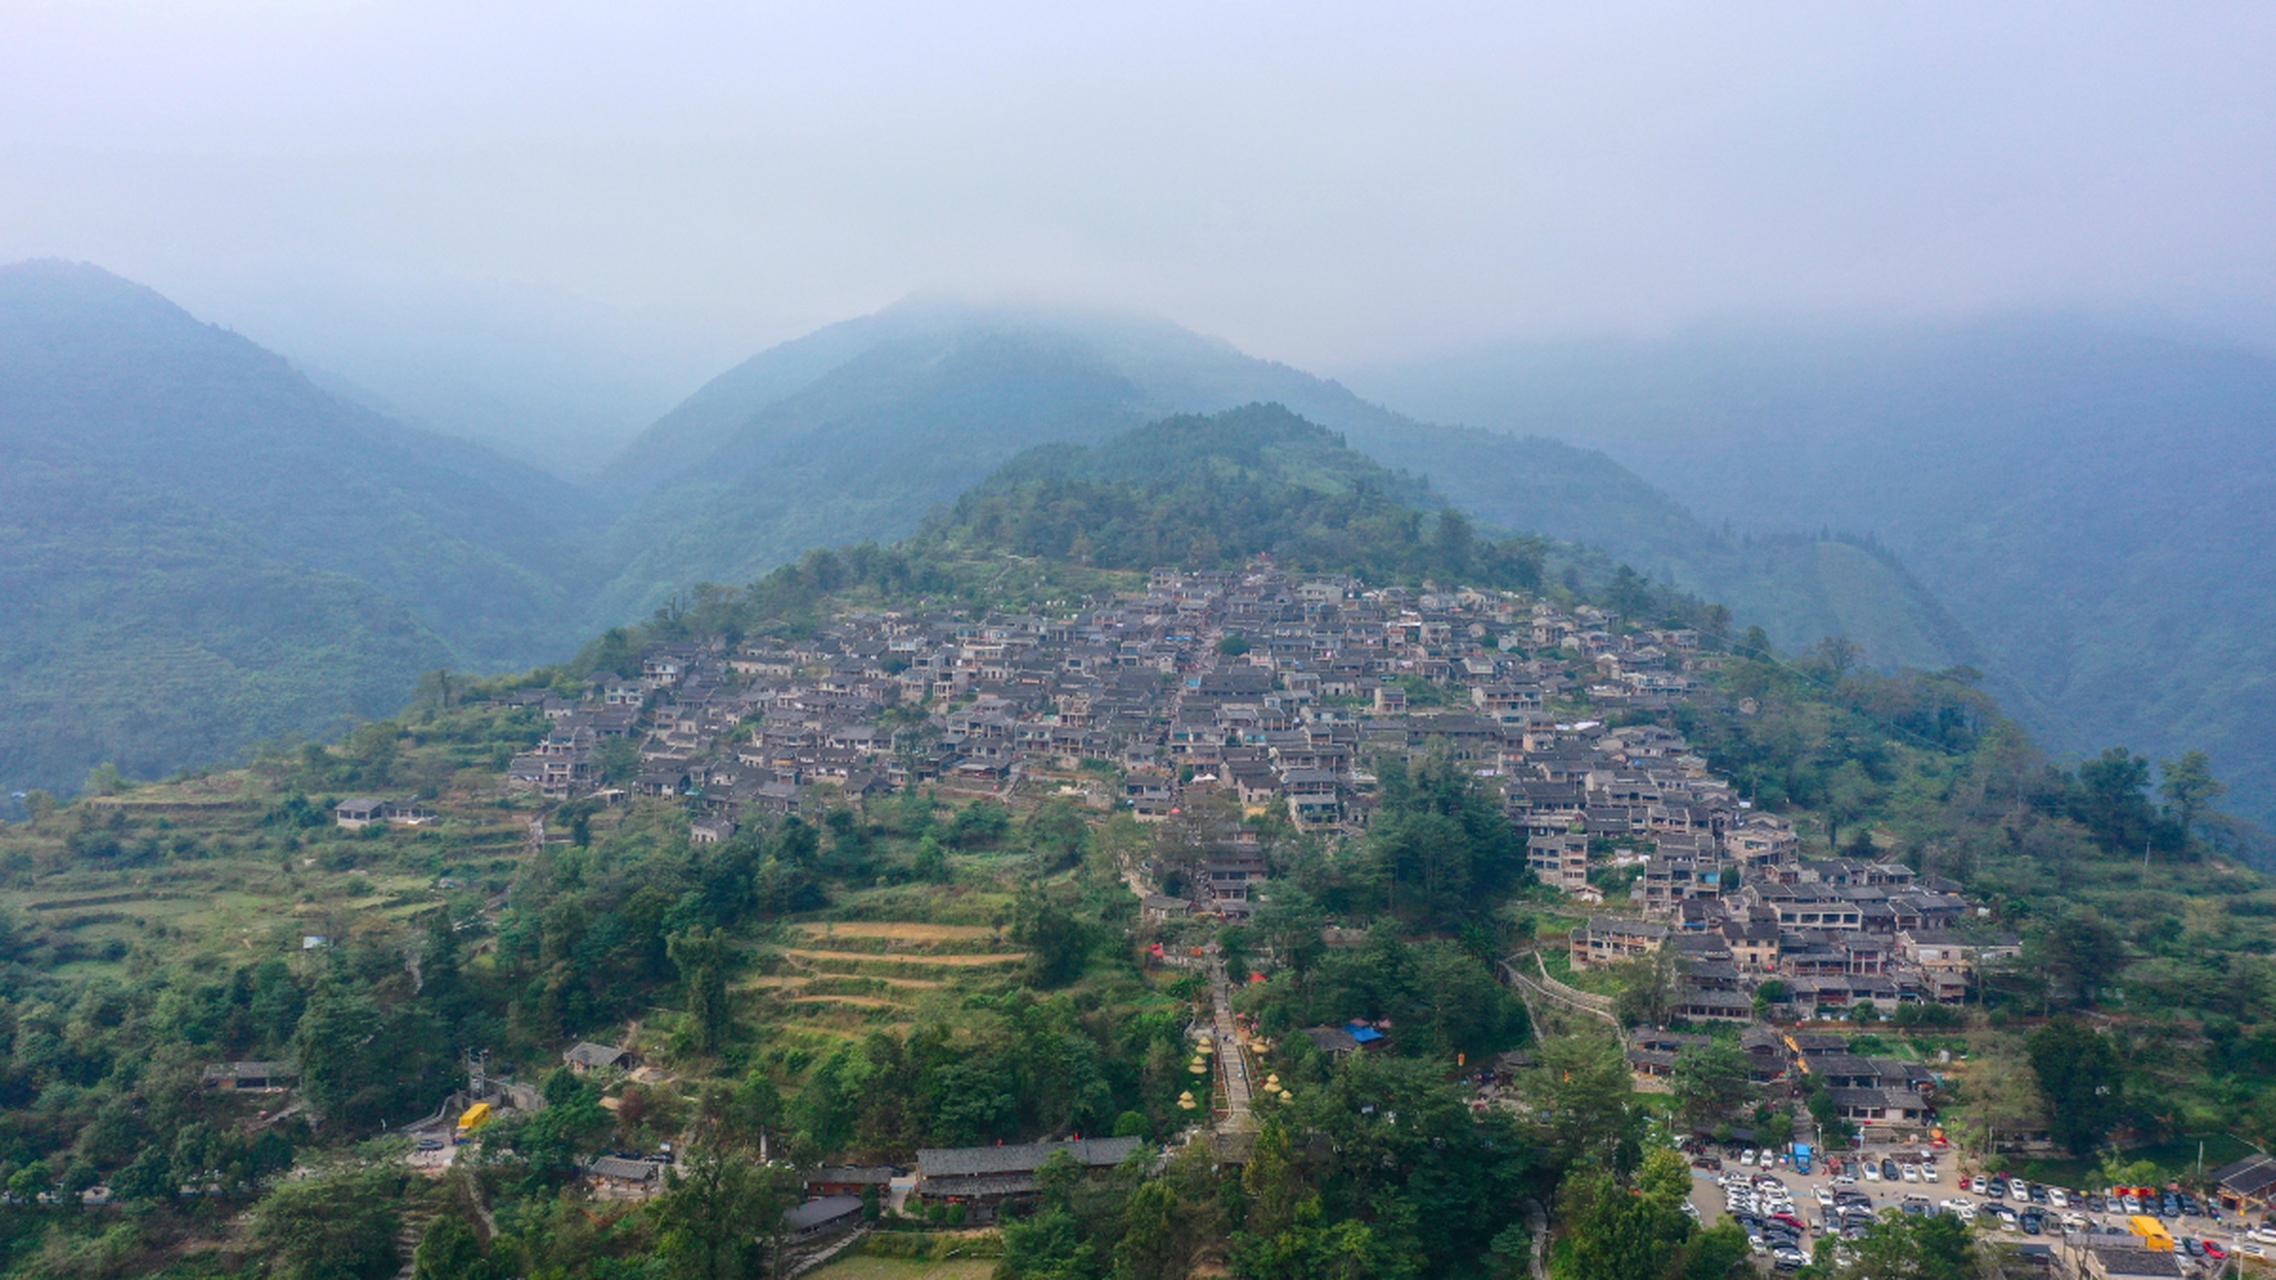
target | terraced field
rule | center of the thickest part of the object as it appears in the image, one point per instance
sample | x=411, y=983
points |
x=847, y=978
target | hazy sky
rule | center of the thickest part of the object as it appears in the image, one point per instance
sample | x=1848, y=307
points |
x=1319, y=182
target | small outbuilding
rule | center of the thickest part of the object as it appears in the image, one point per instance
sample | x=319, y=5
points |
x=586, y=1056
x=826, y=1216
x=237, y=1077
x=357, y=812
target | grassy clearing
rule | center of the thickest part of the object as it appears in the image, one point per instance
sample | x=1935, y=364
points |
x=896, y=931
x=859, y=958
x=190, y=870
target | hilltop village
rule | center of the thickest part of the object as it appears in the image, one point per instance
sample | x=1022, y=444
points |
x=1273, y=692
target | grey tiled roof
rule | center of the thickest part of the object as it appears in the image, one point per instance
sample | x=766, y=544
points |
x=954, y=1162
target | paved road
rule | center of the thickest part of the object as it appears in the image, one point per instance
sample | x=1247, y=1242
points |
x=1231, y=1058
x=1537, y=1222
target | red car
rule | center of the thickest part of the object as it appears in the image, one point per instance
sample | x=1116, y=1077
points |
x=2214, y=1251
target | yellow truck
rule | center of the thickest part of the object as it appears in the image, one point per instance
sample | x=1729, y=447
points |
x=2153, y=1233
x=479, y=1114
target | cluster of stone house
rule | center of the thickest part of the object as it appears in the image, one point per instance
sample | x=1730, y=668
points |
x=1832, y=933
x=1143, y=683
x=1874, y=1092
x=1327, y=673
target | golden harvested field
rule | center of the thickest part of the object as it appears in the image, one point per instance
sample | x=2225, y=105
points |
x=953, y=962
x=897, y=931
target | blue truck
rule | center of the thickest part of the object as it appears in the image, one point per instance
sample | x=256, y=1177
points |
x=1801, y=1157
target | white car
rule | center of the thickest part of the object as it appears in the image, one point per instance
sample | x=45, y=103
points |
x=1844, y=1180
x=1824, y=1197
x=1872, y=1171
x=1928, y=1171
x=1911, y=1172
x=1768, y=1158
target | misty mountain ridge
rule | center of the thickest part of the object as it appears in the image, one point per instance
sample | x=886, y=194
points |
x=802, y=425
x=2091, y=502
x=220, y=454
x=546, y=377
x=206, y=550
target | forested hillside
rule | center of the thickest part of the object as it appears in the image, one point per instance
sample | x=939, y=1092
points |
x=857, y=430
x=204, y=550
x=2089, y=502
x=962, y=962
x=1219, y=489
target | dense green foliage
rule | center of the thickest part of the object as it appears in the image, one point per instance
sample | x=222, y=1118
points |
x=2127, y=898
x=2089, y=503
x=204, y=551
x=1215, y=490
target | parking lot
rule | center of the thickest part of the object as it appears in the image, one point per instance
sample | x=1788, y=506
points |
x=1945, y=1194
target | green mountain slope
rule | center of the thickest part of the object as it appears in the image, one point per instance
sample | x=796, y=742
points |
x=1218, y=489
x=204, y=549
x=893, y=413
x=862, y=452
x=2092, y=505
